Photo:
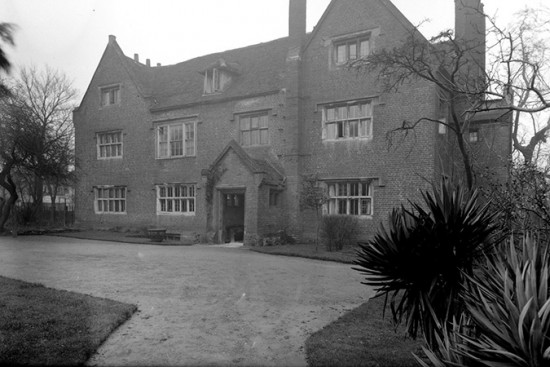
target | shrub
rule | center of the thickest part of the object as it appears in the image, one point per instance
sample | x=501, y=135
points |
x=507, y=314
x=338, y=231
x=421, y=259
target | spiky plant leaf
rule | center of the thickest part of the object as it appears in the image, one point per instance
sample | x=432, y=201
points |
x=421, y=256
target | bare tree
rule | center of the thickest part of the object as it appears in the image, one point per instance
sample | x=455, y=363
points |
x=37, y=135
x=49, y=97
x=515, y=83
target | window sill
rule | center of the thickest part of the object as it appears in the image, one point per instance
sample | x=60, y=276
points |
x=108, y=158
x=175, y=214
x=178, y=157
x=111, y=213
x=367, y=138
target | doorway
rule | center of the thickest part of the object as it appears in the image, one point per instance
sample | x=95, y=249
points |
x=233, y=216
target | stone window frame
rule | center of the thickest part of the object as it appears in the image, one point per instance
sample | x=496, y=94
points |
x=110, y=199
x=185, y=139
x=177, y=199
x=262, y=130
x=343, y=125
x=348, y=197
x=110, y=95
x=110, y=144
x=335, y=43
x=474, y=136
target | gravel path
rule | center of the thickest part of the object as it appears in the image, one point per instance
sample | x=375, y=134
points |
x=198, y=305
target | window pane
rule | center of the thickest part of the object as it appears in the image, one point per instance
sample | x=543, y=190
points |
x=246, y=138
x=354, y=207
x=176, y=148
x=245, y=123
x=331, y=116
x=342, y=206
x=163, y=134
x=366, y=207
x=354, y=189
x=341, y=54
x=254, y=122
x=352, y=51
x=263, y=121
x=354, y=128
x=342, y=113
x=176, y=133
x=340, y=129
x=364, y=48
x=255, y=137
x=122, y=205
x=342, y=189
x=163, y=205
x=184, y=191
x=184, y=206
x=191, y=205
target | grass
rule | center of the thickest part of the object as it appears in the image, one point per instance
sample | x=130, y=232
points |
x=347, y=255
x=45, y=326
x=362, y=338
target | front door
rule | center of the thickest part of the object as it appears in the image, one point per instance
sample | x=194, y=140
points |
x=233, y=216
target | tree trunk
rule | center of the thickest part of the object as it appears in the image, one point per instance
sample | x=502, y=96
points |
x=9, y=185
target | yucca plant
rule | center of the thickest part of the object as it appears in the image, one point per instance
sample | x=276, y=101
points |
x=420, y=259
x=507, y=313
x=509, y=303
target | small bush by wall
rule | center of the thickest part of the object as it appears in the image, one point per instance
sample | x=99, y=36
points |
x=338, y=231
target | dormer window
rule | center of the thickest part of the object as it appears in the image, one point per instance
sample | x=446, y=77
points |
x=212, y=81
x=218, y=76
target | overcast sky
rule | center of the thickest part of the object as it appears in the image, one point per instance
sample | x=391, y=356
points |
x=71, y=35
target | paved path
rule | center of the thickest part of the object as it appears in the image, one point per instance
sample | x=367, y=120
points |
x=198, y=305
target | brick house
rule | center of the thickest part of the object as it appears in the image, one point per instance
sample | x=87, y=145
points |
x=219, y=144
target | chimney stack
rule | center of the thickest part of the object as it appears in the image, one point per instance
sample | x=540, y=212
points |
x=297, y=20
x=470, y=29
x=158, y=64
x=112, y=38
x=148, y=62
x=136, y=57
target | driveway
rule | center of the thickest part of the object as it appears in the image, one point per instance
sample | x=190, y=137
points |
x=198, y=305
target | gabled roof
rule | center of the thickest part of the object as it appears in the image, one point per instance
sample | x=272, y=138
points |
x=254, y=165
x=256, y=69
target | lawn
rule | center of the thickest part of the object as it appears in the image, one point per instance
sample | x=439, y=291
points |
x=45, y=326
x=347, y=255
x=362, y=337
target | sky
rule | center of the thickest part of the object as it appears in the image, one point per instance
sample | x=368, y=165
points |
x=71, y=35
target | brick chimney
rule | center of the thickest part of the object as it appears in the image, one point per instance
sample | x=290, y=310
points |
x=470, y=29
x=297, y=20
x=136, y=57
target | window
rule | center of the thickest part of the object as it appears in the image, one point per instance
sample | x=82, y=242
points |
x=109, y=145
x=110, y=200
x=347, y=121
x=215, y=80
x=442, y=126
x=351, y=49
x=110, y=96
x=176, y=140
x=176, y=199
x=273, y=198
x=254, y=129
x=350, y=198
x=473, y=136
